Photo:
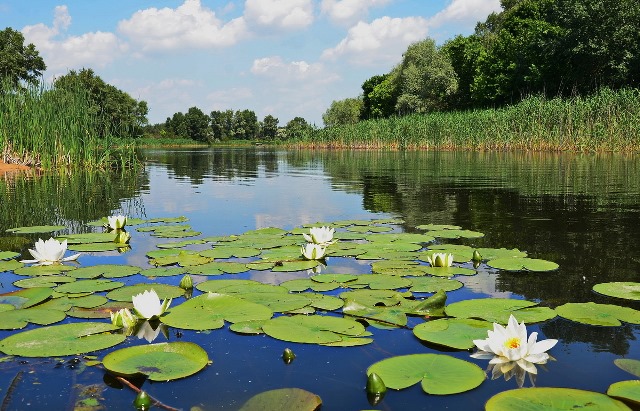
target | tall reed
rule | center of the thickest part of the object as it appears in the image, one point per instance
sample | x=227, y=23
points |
x=605, y=122
x=50, y=128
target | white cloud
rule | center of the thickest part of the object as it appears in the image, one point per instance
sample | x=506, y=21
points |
x=465, y=12
x=276, y=67
x=188, y=26
x=379, y=42
x=279, y=14
x=61, y=52
x=348, y=11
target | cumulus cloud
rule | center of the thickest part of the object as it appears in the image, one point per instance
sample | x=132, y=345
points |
x=379, y=42
x=279, y=14
x=465, y=12
x=276, y=67
x=188, y=26
x=348, y=11
x=61, y=52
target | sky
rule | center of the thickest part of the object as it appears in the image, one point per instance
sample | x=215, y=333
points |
x=286, y=58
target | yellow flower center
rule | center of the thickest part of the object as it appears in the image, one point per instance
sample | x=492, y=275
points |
x=513, y=342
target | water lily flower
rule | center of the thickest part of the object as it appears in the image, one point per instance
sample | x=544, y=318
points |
x=49, y=252
x=320, y=235
x=122, y=237
x=116, y=222
x=147, y=304
x=509, y=346
x=440, y=259
x=312, y=251
x=123, y=318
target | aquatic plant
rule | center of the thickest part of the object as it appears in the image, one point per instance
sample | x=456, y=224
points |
x=320, y=235
x=147, y=304
x=116, y=222
x=312, y=251
x=49, y=252
x=440, y=259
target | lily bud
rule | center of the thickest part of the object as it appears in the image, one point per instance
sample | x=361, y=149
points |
x=288, y=356
x=375, y=389
x=186, y=283
x=142, y=401
x=476, y=256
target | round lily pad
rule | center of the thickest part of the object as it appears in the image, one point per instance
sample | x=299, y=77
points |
x=6, y=255
x=439, y=374
x=163, y=290
x=94, y=247
x=314, y=329
x=15, y=319
x=65, y=339
x=629, y=365
x=36, y=229
x=522, y=264
x=457, y=333
x=626, y=391
x=283, y=399
x=159, y=362
x=552, y=399
x=598, y=314
x=43, y=281
x=499, y=309
x=85, y=286
x=626, y=290
x=105, y=270
x=433, y=284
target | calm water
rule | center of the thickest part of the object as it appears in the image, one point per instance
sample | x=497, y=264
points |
x=581, y=211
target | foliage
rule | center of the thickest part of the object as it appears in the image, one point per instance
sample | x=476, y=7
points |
x=269, y=128
x=18, y=62
x=297, y=128
x=342, y=112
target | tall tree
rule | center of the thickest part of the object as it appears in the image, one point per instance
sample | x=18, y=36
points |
x=342, y=112
x=197, y=124
x=269, y=127
x=297, y=128
x=17, y=61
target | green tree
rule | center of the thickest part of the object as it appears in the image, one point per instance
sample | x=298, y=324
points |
x=177, y=125
x=341, y=112
x=297, y=128
x=221, y=124
x=17, y=61
x=269, y=127
x=245, y=125
x=197, y=124
x=426, y=79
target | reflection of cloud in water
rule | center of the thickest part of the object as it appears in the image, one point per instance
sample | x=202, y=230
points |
x=483, y=283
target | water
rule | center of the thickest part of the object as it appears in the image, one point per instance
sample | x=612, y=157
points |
x=581, y=211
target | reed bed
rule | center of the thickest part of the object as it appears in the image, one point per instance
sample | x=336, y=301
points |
x=48, y=128
x=608, y=121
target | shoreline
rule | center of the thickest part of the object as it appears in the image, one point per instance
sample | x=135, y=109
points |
x=8, y=168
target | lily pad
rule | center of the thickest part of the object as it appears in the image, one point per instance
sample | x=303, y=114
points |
x=629, y=365
x=313, y=329
x=626, y=290
x=163, y=290
x=598, y=314
x=209, y=312
x=34, y=270
x=85, y=286
x=433, y=284
x=626, y=391
x=94, y=247
x=99, y=311
x=522, y=264
x=499, y=309
x=10, y=265
x=86, y=238
x=163, y=271
x=439, y=374
x=105, y=270
x=36, y=229
x=552, y=399
x=15, y=319
x=6, y=255
x=27, y=297
x=159, y=362
x=457, y=333
x=58, y=340
x=48, y=281
x=283, y=399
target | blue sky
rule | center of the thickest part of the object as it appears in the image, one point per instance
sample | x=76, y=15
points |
x=286, y=58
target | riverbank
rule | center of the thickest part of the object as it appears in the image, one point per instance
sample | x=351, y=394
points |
x=9, y=168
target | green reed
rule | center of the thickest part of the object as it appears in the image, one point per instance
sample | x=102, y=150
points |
x=606, y=121
x=50, y=128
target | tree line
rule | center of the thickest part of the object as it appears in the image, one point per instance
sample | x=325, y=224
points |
x=549, y=48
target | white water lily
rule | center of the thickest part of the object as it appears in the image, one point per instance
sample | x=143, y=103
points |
x=123, y=318
x=320, y=235
x=147, y=304
x=116, y=222
x=49, y=252
x=440, y=259
x=509, y=346
x=147, y=331
x=312, y=251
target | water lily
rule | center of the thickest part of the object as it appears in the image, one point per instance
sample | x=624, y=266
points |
x=509, y=346
x=147, y=331
x=320, y=235
x=49, y=252
x=123, y=318
x=147, y=304
x=440, y=259
x=312, y=251
x=116, y=222
x=122, y=237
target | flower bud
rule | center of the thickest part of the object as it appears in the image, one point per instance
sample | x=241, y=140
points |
x=288, y=356
x=187, y=282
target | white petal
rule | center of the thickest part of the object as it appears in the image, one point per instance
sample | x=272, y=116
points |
x=542, y=346
x=527, y=366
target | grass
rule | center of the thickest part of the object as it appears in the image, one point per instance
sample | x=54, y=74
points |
x=608, y=121
x=49, y=128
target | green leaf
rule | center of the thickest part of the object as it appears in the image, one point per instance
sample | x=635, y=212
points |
x=457, y=333
x=283, y=399
x=163, y=290
x=522, y=263
x=27, y=297
x=58, y=340
x=439, y=374
x=105, y=270
x=552, y=399
x=159, y=362
x=6, y=255
x=626, y=290
x=498, y=310
x=433, y=284
x=14, y=319
x=598, y=314
x=629, y=365
x=86, y=286
x=48, y=281
x=313, y=329
x=36, y=229
x=628, y=391
x=163, y=271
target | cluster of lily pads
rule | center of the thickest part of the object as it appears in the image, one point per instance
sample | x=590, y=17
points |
x=330, y=309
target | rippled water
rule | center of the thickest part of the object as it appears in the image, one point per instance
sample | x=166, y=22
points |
x=581, y=211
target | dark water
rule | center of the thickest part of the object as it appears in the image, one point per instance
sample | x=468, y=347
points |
x=581, y=211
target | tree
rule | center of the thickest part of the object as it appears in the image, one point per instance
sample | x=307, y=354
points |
x=297, y=128
x=269, y=127
x=197, y=125
x=177, y=125
x=221, y=124
x=341, y=112
x=245, y=125
x=17, y=61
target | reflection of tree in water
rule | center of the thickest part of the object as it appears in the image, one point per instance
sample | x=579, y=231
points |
x=600, y=339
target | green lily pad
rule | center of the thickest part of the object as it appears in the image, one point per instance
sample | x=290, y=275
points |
x=452, y=234
x=449, y=271
x=552, y=399
x=290, y=266
x=105, y=270
x=628, y=391
x=10, y=265
x=164, y=227
x=626, y=290
x=209, y=312
x=163, y=290
x=183, y=258
x=94, y=247
x=163, y=271
x=58, y=340
x=86, y=238
x=437, y=227
x=35, y=270
x=99, y=311
x=381, y=282
x=48, y=281
x=598, y=314
x=372, y=298
x=180, y=244
x=36, y=229
x=215, y=286
x=302, y=284
x=380, y=317
x=629, y=365
x=433, y=284
x=6, y=255
x=26, y=298
x=430, y=307
x=248, y=327
x=499, y=309
x=15, y=319
x=369, y=229
x=457, y=333
x=86, y=286
x=228, y=252
x=283, y=399
x=180, y=219
x=159, y=362
x=522, y=263
x=313, y=329
x=439, y=374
